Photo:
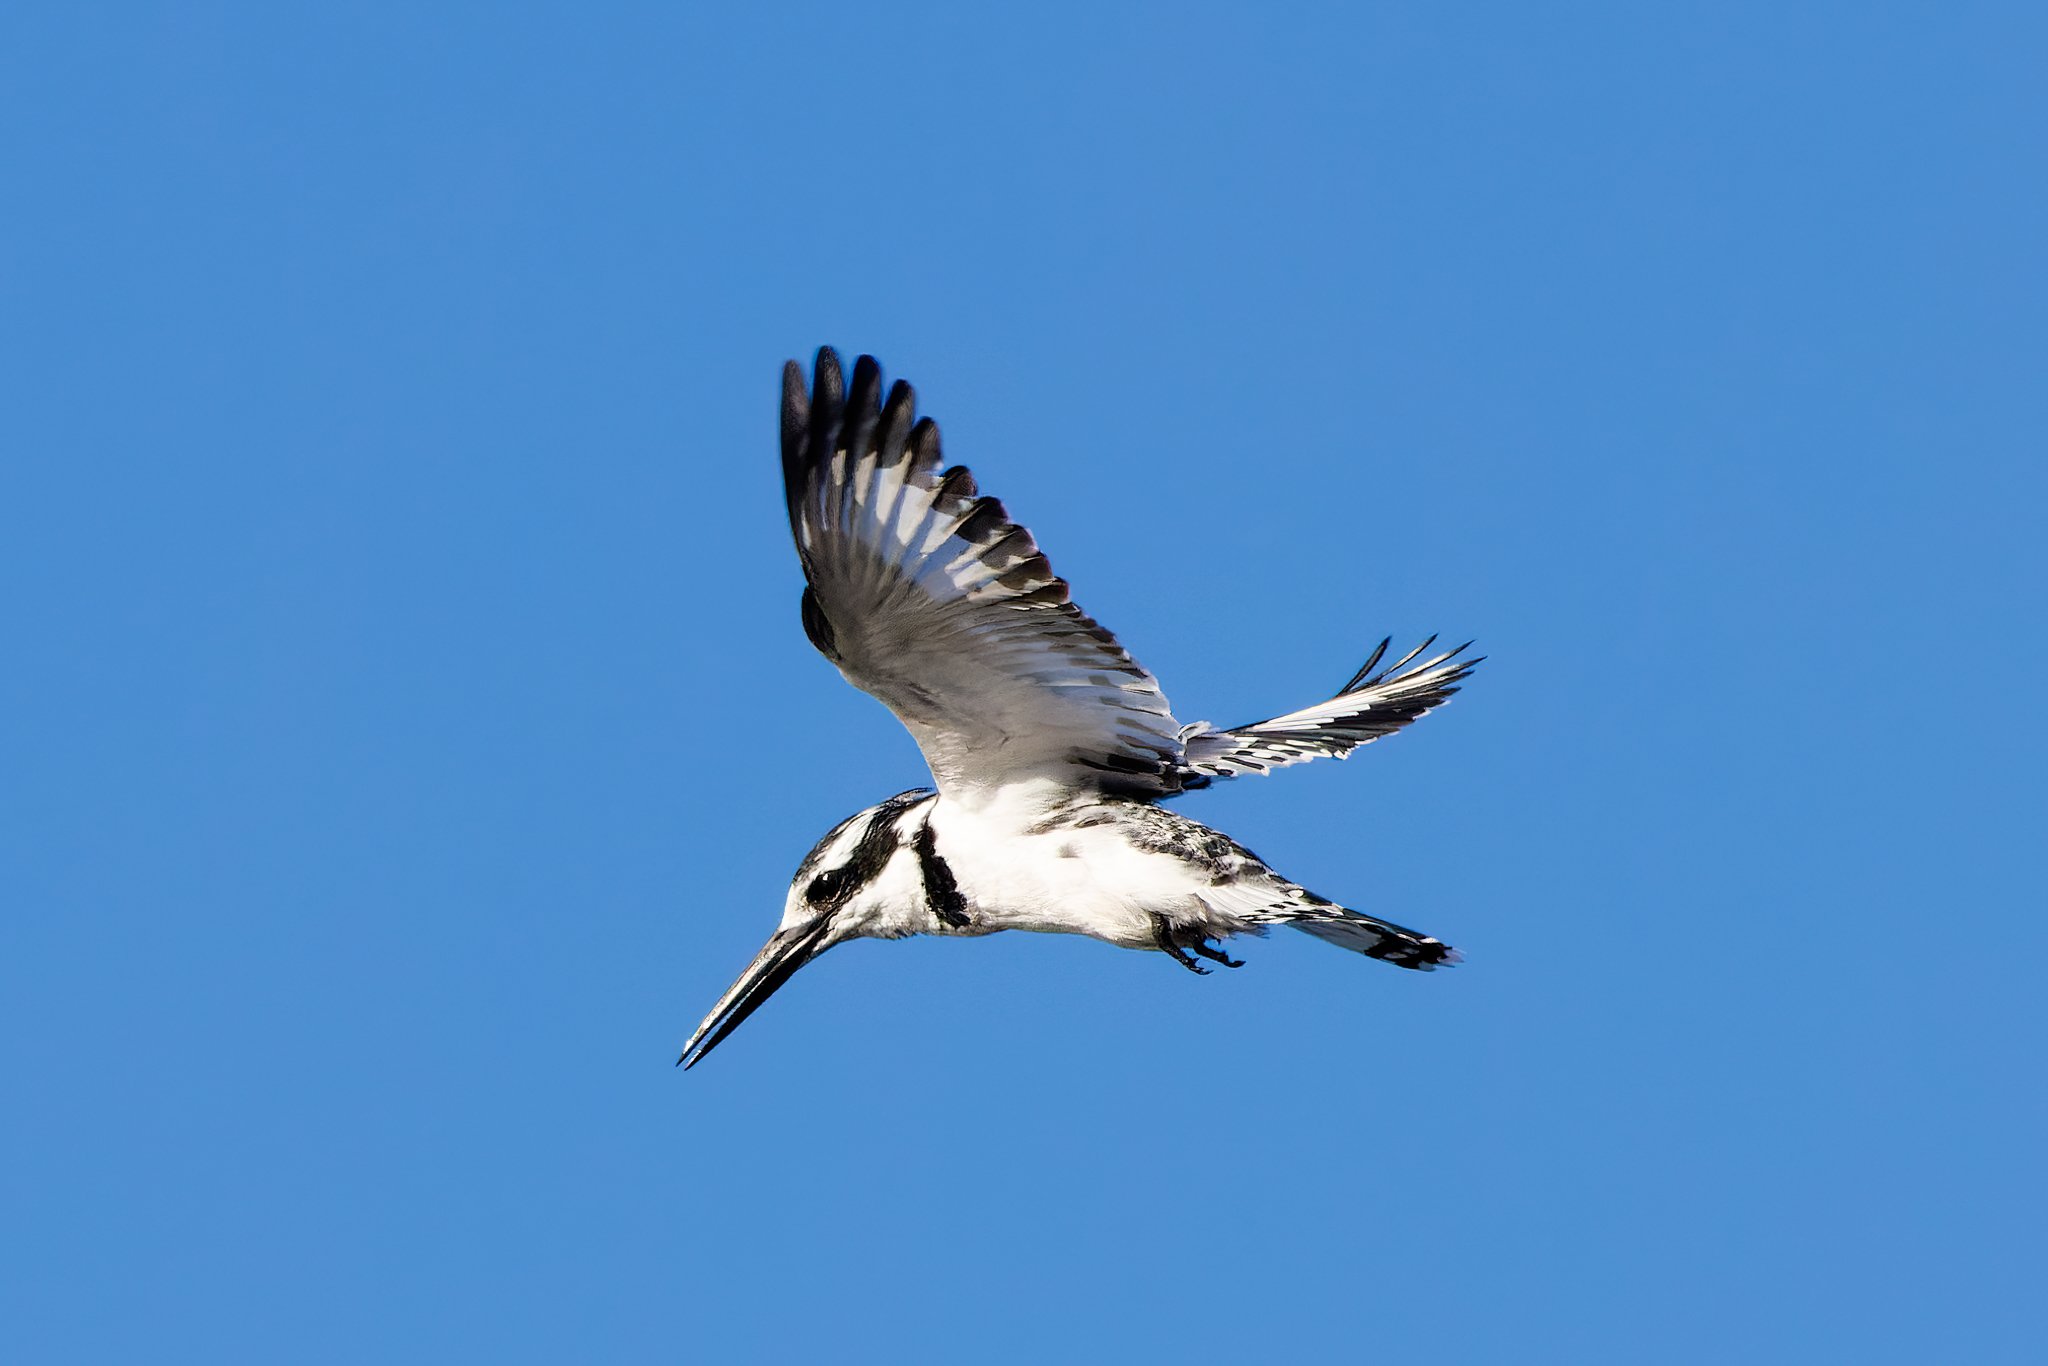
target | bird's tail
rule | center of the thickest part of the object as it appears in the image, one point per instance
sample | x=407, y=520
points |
x=1381, y=939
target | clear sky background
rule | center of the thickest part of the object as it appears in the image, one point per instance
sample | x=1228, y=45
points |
x=406, y=730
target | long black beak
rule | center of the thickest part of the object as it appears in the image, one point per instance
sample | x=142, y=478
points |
x=789, y=950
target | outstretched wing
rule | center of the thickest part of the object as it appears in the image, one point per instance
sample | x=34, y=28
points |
x=1369, y=706
x=928, y=596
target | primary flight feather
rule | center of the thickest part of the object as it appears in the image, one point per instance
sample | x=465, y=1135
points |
x=1050, y=746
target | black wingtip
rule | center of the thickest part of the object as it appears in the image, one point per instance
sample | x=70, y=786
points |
x=864, y=394
x=796, y=410
x=828, y=399
x=810, y=420
x=897, y=415
x=826, y=368
x=863, y=412
x=1365, y=670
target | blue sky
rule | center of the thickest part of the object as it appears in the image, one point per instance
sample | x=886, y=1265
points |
x=408, y=730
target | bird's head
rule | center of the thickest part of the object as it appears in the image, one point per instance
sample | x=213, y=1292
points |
x=857, y=881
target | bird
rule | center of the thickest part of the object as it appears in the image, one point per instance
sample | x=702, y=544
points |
x=1050, y=748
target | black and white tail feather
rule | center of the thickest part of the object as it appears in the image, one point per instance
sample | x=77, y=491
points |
x=1373, y=937
x=1050, y=745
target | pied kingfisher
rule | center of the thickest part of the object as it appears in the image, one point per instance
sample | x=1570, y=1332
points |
x=1050, y=745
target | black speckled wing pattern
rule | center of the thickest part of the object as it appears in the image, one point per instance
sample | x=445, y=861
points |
x=926, y=594
x=1376, y=702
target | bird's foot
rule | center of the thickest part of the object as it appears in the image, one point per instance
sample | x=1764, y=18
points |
x=1215, y=954
x=1163, y=936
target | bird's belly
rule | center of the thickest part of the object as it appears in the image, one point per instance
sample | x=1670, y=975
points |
x=1063, y=884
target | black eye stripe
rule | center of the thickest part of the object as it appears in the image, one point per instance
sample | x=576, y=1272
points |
x=834, y=887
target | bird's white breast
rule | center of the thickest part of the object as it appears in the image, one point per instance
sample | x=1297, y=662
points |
x=1021, y=868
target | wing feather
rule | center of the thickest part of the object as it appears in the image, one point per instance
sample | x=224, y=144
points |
x=1375, y=702
x=926, y=594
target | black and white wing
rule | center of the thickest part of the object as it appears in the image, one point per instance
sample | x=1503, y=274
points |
x=928, y=596
x=1372, y=704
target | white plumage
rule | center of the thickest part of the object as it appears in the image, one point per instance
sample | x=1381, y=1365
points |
x=1050, y=745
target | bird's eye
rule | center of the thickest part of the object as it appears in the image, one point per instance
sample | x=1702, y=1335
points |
x=820, y=888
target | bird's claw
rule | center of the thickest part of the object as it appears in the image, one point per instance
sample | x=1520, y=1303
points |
x=1162, y=934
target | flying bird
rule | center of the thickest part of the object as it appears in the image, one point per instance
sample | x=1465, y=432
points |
x=1051, y=748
